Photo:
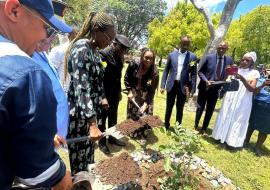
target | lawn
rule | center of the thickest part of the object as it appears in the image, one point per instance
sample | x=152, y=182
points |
x=247, y=171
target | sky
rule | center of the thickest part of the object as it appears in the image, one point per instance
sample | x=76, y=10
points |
x=217, y=5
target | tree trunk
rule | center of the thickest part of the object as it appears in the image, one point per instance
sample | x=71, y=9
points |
x=216, y=36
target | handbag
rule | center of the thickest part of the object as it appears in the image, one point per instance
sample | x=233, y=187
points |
x=228, y=87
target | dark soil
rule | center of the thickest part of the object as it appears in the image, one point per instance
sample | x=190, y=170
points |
x=152, y=121
x=129, y=126
x=203, y=183
x=118, y=170
x=149, y=180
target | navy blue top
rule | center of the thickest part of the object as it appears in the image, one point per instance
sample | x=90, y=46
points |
x=27, y=121
x=264, y=94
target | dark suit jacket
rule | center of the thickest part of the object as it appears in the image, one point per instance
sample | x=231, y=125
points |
x=113, y=72
x=170, y=72
x=208, y=66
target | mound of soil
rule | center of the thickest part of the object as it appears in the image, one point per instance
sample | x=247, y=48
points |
x=118, y=170
x=152, y=121
x=129, y=126
x=149, y=180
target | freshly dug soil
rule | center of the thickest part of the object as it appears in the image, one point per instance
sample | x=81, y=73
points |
x=152, y=121
x=149, y=180
x=118, y=170
x=129, y=126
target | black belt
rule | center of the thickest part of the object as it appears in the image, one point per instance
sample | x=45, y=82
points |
x=177, y=81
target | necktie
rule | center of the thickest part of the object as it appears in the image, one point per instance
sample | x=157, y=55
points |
x=219, y=68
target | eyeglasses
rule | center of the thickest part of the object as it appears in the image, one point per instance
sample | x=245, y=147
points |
x=50, y=31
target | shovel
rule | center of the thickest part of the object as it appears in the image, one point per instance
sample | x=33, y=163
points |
x=109, y=132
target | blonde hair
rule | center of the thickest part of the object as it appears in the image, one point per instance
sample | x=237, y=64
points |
x=100, y=20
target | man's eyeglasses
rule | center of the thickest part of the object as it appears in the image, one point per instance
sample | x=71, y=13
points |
x=50, y=31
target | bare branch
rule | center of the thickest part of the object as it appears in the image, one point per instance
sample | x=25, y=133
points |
x=206, y=15
x=228, y=11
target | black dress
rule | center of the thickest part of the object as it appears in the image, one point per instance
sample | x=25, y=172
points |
x=143, y=88
x=112, y=85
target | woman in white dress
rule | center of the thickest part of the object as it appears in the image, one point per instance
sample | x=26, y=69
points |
x=232, y=121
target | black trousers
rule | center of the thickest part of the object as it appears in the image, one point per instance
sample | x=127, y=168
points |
x=209, y=98
x=111, y=113
x=177, y=93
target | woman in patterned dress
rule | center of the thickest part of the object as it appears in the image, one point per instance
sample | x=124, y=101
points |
x=141, y=81
x=86, y=94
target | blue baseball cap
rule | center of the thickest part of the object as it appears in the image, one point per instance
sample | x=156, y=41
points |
x=45, y=8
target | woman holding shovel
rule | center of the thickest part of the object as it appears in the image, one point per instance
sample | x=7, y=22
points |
x=141, y=81
x=86, y=94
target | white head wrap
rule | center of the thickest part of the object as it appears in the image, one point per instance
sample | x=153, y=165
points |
x=252, y=54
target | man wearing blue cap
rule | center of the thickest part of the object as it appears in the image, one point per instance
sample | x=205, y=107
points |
x=27, y=103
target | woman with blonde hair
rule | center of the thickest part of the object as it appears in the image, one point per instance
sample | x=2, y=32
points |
x=86, y=94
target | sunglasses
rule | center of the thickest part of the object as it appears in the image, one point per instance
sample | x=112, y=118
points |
x=50, y=31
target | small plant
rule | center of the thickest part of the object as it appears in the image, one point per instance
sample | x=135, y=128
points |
x=178, y=158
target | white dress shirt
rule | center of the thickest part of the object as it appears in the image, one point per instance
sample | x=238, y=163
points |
x=181, y=59
x=57, y=57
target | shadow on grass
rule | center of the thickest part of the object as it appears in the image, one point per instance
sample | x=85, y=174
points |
x=151, y=139
x=218, y=145
x=129, y=146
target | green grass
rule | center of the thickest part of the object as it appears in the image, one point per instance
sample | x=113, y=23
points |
x=247, y=171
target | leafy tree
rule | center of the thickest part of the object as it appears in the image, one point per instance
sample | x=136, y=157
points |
x=251, y=33
x=77, y=11
x=131, y=16
x=184, y=19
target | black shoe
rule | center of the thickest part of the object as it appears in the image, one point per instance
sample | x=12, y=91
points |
x=167, y=126
x=103, y=146
x=203, y=132
x=113, y=140
x=196, y=127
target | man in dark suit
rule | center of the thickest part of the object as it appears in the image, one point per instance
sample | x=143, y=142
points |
x=114, y=57
x=211, y=69
x=180, y=66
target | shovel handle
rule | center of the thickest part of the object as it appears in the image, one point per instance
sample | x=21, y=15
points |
x=78, y=139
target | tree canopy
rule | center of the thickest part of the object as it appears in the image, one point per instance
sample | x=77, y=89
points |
x=184, y=19
x=251, y=32
x=131, y=16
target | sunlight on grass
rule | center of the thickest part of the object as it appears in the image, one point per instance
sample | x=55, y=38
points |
x=248, y=171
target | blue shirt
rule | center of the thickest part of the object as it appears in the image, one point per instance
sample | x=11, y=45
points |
x=62, y=103
x=264, y=94
x=27, y=121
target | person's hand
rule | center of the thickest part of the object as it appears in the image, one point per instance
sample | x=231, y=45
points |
x=105, y=103
x=58, y=141
x=143, y=108
x=209, y=83
x=266, y=83
x=95, y=133
x=238, y=76
x=191, y=94
x=162, y=90
x=130, y=95
x=65, y=183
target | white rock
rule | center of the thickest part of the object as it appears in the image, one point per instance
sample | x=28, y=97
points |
x=214, y=183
